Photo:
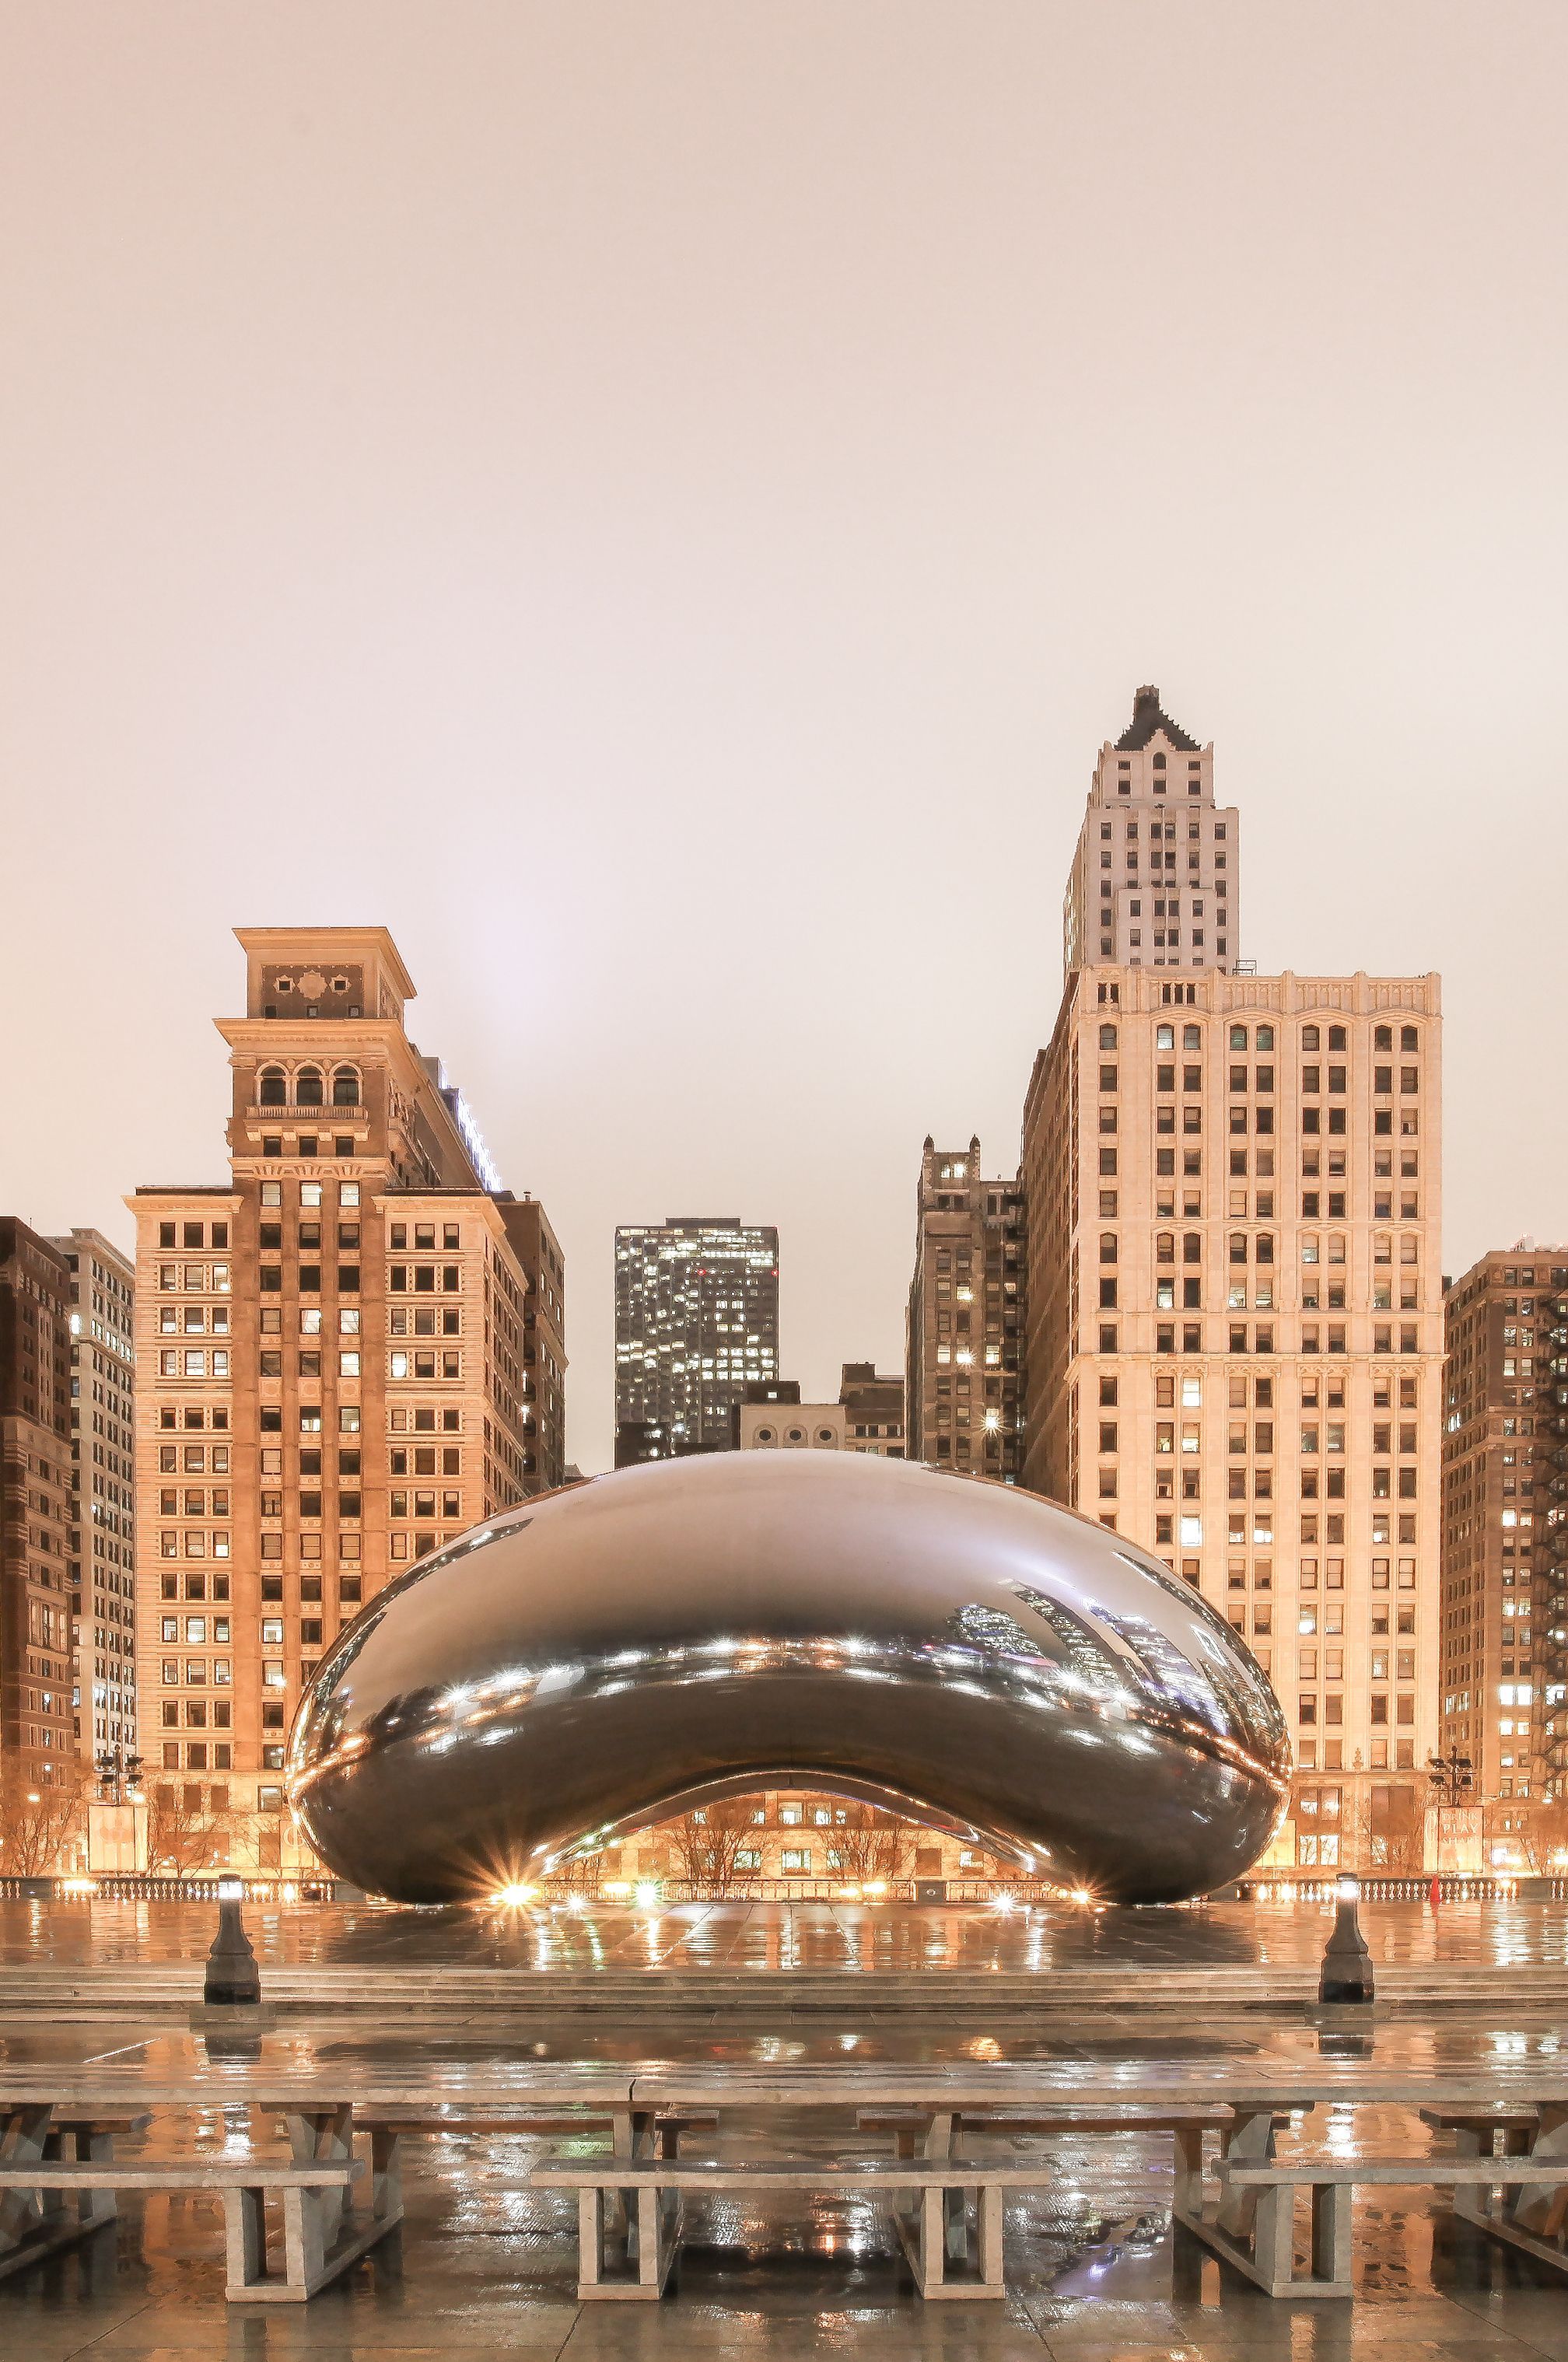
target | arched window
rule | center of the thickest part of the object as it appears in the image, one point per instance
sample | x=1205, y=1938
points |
x=1191, y=1247
x=307, y=1087
x=1262, y=1248
x=1108, y=1246
x=274, y=1090
x=345, y=1086
x=1164, y=1247
x=1238, y=1246
x=1336, y=1246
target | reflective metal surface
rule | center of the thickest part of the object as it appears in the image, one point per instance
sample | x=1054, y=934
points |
x=955, y=1650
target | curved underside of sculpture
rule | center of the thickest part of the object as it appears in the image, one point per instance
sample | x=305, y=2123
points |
x=952, y=1650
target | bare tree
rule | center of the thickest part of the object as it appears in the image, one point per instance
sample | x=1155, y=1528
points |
x=184, y=1832
x=41, y=1820
x=708, y=1844
x=872, y=1845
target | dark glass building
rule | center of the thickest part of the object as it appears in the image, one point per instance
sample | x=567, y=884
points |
x=696, y=1321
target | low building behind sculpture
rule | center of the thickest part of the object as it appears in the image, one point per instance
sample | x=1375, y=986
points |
x=795, y=1841
x=873, y=1403
x=37, y=1740
x=332, y=1367
x=1497, y=1677
x=965, y=1326
x=102, y=1455
x=771, y=1417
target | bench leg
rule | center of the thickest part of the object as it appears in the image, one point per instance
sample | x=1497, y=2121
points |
x=1187, y=2197
x=1331, y=2212
x=95, y=2207
x=386, y=2175
x=245, y=2240
x=1273, y=2238
x=589, y=2241
x=932, y=2208
x=990, y=2235
x=33, y=2223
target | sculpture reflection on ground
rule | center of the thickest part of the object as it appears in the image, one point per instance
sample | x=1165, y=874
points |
x=672, y=1635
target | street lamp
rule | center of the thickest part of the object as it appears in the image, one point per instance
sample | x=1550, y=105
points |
x=1452, y=1776
x=118, y=1771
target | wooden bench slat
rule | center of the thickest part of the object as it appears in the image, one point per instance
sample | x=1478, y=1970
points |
x=225, y=2173
x=790, y=2173
x=1440, y=2172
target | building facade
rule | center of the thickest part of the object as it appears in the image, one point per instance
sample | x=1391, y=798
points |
x=1235, y=1340
x=1155, y=881
x=1497, y=1681
x=772, y=1418
x=538, y=1250
x=330, y=1369
x=965, y=1327
x=696, y=1321
x=102, y=1455
x=873, y=1405
x=38, y=1741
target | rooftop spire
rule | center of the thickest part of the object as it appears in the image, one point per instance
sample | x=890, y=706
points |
x=1148, y=716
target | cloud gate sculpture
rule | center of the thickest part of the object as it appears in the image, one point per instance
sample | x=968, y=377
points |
x=653, y=1640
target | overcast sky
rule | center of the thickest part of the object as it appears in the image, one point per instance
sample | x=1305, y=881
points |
x=660, y=503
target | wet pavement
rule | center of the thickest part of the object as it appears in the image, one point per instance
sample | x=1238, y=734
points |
x=1095, y=2273
x=889, y=1939
x=1094, y=2269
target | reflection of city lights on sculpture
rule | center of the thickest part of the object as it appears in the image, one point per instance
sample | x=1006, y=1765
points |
x=656, y=1641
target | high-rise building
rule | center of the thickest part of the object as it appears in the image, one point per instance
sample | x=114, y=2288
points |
x=37, y=1669
x=330, y=1362
x=1498, y=1476
x=538, y=1250
x=873, y=1409
x=1156, y=880
x=963, y=1385
x=1236, y=1340
x=1550, y=1415
x=103, y=1454
x=696, y=1317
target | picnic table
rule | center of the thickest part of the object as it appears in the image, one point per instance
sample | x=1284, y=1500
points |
x=943, y=2152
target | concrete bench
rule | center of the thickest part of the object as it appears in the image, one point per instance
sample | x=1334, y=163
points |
x=312, y=2197
x=1270, y=2260
x=951, y=2233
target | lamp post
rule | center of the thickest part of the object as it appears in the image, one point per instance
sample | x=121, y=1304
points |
x=119, y=1775
x=1451, y=1778
x=1346, y=1973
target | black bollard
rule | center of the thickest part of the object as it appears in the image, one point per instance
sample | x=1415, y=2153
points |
x=1346, y=1973
x=232, y=1975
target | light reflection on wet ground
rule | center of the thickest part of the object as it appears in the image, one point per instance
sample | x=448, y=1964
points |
x=882, y=1939
x=1094, y=2272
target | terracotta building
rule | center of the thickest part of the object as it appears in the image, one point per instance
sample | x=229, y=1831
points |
x=331, y=1371
x=964, y=1332
x=1497, y=1477
x=103, y=1454
x=37, y=1669
x=1156, y=880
